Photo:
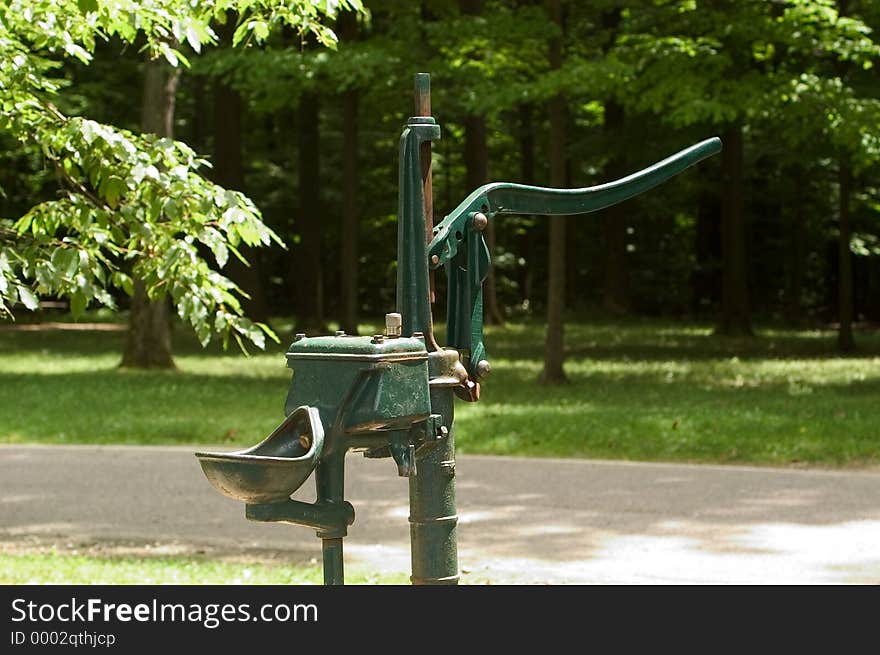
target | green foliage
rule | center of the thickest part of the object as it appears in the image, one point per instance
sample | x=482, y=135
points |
x=736, y=62
x=491, y=74
x=136, y=203
x=129, y=205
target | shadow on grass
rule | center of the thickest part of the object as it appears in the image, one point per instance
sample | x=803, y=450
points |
x=635, y=339
x=639, y=390
x=659, y=342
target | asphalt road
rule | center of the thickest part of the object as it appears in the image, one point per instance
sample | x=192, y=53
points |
x=521, y=520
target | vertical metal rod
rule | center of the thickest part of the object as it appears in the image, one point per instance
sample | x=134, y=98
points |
x=334, y=570
x=330, y=482
x=423, y=108
x=413, y=279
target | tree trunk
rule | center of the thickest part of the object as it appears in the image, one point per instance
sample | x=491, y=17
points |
x=349, y=238
x=148, y=342
x=349, y=252
x=734, y=277
x=200, y=114
x=616, y=297
x=229, y=172
x=307, y=255
x=574, y=236
x=476, y=161
x=526, y=242
x=554, y=354
x=793, y=305
x=705, y=284
x=845, y=341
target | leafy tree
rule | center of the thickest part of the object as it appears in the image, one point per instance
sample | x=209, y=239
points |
x=130, y=205
x=725, y=64
x=148, y=340
x=832, y=109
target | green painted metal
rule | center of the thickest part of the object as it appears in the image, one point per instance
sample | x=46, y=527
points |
x=330, y=487
x=413, y=284
x=433, y=515
x=423, y=85
x=393, y=396
x=509, y=198
x=346, y=394
x=326, y=517
x=274, y=468
x=458, y=241
x=464, y=312
x=334, y=567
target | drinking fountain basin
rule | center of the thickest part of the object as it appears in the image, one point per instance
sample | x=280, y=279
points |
x=273, y=469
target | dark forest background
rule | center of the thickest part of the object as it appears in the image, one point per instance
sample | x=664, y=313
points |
x=782, y=226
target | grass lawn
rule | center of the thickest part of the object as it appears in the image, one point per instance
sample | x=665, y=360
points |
x=66, y=568
x=639, y=389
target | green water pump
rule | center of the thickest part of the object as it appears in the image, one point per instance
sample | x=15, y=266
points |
x=391, y=395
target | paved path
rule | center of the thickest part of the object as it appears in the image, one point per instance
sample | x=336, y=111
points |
x=522, y=520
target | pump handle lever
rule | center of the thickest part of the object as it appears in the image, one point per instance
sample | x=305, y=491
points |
x=458, y=241
x=509, y=198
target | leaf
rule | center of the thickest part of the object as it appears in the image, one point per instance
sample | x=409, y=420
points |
x=78, y=303
x=86, y=6
x=240, y=32
x=87, y=128
x=221, y=254
x=111, y=189
x=66, y=262
x=203, y=333
x=141, y=171
x=172, y=209
x=192, y=37
x=215, y=241
x=45, y=276
x=170, y=54
x=249, y=233
x=261, y=30
x=269, y=332
x=105, y=298
x=124, y=281
x=27, y=297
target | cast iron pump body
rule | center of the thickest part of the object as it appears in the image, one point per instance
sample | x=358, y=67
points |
x=392, y=395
